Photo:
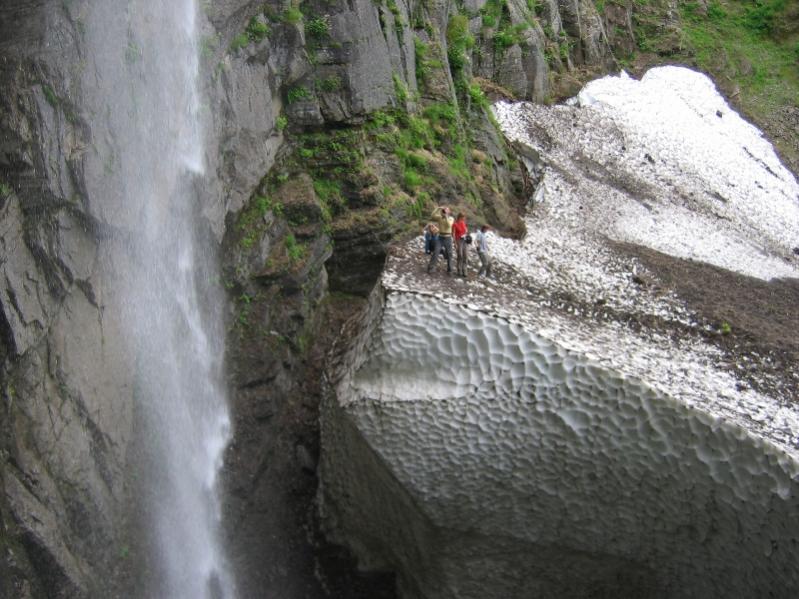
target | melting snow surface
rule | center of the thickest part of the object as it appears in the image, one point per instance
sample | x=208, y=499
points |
x=665, y=163
x=508, y=434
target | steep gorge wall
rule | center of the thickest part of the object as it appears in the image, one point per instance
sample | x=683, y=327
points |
x=294, y=99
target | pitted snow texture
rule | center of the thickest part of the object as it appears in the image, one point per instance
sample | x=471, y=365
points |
x=663, y=162
x=532, y=470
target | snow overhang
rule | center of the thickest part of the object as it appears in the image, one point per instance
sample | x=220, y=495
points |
x=559, y=430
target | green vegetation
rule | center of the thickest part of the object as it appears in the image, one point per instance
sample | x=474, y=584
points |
x=749, y=47
x=330, y=84
x=428, y=60
x=477, y=97
x=50, y=95
x=297, y=94
x=415, y=139
x=245, y=307
x=281, y=122
x=735, y=40
x=496, y=17
x=725, y=328
x=294, y=250
x=208, y=45
x=318, y=27
x=238, y=42
x=400, y=90
x=5, y=190
x=742, y=43
x=292, y=15
x=256, y=30
x=459, y=40
x=251, y=220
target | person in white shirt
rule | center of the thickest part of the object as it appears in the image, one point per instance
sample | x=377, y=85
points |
x=482, y=251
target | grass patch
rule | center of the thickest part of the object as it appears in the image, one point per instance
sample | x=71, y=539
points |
x=282, y=122
x=294, y=250
x=292, y=15
x=239, y=42
x=477, y=96
x=330, y=84
x=298, y=94
x=459, y=40
x=734, y=41
x=251, y=220
x=256, y=30
x=51, y=97
x=318, y=27
x=400, y=90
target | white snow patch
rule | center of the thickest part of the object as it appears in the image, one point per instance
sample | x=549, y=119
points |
x=697, y=181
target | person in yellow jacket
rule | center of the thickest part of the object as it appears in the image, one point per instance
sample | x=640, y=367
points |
x=443, y=220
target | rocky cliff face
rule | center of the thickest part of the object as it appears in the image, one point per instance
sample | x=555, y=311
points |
x=334, y=128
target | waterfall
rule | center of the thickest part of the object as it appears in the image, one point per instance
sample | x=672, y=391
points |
x=150, y=139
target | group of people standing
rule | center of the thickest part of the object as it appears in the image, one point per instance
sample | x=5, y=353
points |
x=439, y=235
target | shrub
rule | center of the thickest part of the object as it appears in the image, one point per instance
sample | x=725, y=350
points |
x=51, y=97
x=318, y=27
x=238, y=42
x=295, y=251
x=400, y=90
x=281, y=122
x=297, y=94
x=330, y=84
x=256, y=30
x=411, y=179
x=292, y=15
x=763, y=16
x=477, y=96
x=503, y=39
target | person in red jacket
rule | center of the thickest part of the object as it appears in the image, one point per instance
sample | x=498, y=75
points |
x=459, y=232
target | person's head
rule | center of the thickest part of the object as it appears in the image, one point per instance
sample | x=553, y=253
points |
x=461, y=216
x=485, y=228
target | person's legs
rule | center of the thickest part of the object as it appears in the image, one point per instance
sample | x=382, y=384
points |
x=447, y=241
x=483, y=263
x=465, y=256
x=461, y=256
x=436, y=241
x=487, y=264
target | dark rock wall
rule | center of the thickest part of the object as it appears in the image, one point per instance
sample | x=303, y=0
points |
x=66, y=383
x=288, y=108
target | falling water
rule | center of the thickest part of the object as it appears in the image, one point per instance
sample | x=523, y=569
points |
x=151, y=139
